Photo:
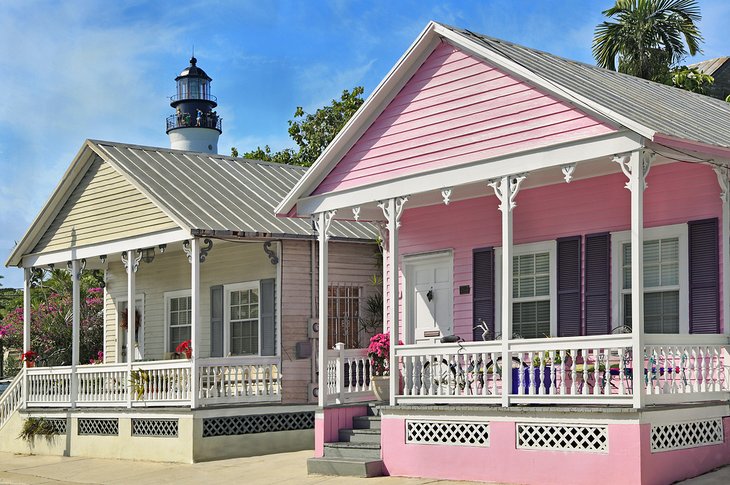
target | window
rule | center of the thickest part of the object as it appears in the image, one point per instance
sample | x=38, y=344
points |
x=344, y=314
x=531, y=295
x=242, y=318
x=179, y=319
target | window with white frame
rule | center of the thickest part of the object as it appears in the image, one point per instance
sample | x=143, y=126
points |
x=531, y=295
x=242, y=318
x=179, y=320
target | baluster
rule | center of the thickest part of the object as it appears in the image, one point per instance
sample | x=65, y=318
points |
x=421, y=390
x=597, y=383
x=449, y=376
x=553, y=356
x=562, y=353
x=716, y=369
x=701, y=372
x=521, y=384
x=493, y=359
x=531, y=384
x=584, y=385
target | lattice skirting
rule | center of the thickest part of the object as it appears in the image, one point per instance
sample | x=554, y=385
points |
x=691, y=434
x=59, y=425
x=447, y=433
x=258, y=423
x=99, y=426
x=166, y=428
x=563, y=437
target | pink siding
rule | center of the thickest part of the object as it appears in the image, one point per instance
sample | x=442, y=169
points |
x=457, y=109
x=328, y=423
x=677, y=193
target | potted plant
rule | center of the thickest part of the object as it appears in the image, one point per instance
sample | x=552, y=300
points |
x=379, y=353
x=185, y=348
x=29, y=358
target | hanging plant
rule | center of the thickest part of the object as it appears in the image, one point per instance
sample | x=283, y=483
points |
x=124, y=320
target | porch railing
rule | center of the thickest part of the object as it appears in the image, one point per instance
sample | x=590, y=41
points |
x=590, y=370
x=157, y=383
x=11, y=399
x=348, y=375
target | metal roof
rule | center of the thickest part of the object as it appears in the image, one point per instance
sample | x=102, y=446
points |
x=207, y=192
x=664, y=109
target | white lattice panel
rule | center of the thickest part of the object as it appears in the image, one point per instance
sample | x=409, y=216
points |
x=59, y=425
x=101, y=427
x=447, y=433
x=692, y=434
x=563, y=437
x=257, y=423
x=154, y=427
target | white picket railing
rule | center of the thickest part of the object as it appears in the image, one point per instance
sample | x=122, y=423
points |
x=348, y=375
x=102, y=385
x=161, y=383
x=239, y=380
x=11, y=399
x=49, y=386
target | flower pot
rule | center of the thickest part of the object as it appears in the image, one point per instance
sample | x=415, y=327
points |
x=30, y=364
x=381, y=387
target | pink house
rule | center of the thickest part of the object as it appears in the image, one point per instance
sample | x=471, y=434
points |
x=571, y=221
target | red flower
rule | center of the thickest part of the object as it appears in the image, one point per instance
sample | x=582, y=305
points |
x=186, y=348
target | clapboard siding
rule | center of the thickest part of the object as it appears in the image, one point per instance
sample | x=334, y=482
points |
x=104, y=206
x=677, y=193
x=457, y=109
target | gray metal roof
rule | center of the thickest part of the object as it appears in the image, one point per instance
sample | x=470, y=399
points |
x=663, y=109
x=208, y=192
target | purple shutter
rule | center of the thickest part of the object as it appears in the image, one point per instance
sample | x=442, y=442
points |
x=483, y=290
x=569, y=273
x=704, y=277
x=598, y=284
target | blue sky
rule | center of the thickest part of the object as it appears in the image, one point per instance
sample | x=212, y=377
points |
x=77, y=69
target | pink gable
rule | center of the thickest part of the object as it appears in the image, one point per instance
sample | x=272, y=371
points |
x=457, y=109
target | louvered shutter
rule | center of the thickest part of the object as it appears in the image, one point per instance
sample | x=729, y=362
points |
x=704, y=277
x=483, y=290
x=598, y=284
x=569, y=286
x=216, y=321
x=268, y=317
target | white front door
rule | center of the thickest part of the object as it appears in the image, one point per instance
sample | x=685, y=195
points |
x=429, y=297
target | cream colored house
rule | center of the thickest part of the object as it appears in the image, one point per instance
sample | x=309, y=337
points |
x=191, y=238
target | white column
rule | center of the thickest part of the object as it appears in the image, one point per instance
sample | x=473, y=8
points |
x=636, y=166
x=195, y=317
x=75, y=328
x=27, y=273
x=724, y=181
x=322, y=223
x=131, y=263
x=506, y=190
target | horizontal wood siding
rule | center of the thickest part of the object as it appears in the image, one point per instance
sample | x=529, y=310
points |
x=457, y=109
x=677, y=193
x=103, y=207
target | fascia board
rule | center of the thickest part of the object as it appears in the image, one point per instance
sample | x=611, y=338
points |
x=386, y=90
x=482, y=170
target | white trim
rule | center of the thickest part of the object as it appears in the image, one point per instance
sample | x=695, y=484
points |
x=139, y=298
x=167, y=296
x=227, y=289
x=279, y=342
x=679, y=231
x=409, y=261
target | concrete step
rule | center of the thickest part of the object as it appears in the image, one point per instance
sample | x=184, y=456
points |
x=345, y=467
x=360, y=435
x=366, y=422
x=358, y=451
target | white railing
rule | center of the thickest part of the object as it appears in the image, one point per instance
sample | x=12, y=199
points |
x=161, y=383
x=348, y=375
x=49, y=386
x=11, y=399
x=102, y=385
x=239, y=380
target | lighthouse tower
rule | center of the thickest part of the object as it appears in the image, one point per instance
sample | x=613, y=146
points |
x=195, y=126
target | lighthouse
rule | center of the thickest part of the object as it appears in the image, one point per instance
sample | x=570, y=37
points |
x=195, y=126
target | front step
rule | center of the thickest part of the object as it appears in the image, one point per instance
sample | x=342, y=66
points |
x=366, y=422
x=360, y=435
x=358, y=451
x=345, y=467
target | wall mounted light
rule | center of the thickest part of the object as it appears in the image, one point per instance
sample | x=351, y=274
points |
x=148, y=254
x=162, y=248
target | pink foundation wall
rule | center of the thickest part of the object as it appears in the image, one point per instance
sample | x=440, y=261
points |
x=677, y=193
x=328, y=424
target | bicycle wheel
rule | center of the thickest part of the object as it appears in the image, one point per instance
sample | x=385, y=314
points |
x=439, y=376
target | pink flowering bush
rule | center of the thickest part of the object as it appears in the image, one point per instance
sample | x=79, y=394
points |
x=379, y=352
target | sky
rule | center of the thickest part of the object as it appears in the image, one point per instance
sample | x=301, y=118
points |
x=77, y=69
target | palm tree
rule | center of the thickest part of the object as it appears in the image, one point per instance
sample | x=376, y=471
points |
x=648, y=36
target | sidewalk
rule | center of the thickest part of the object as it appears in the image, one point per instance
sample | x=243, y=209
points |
x=280, y=469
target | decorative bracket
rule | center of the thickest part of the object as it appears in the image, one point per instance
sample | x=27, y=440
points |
x=399, y=203
x=328, y=216
x=356, y=213
x=568, y=172
x=446, y=195
x=203, y=253
x=273, y=258
x=507, y=194
x=135, y=261
x=723, y=173
x=624, y=161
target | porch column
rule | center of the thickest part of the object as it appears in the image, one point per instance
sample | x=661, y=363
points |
x=636, y=166
x=506, y=190
x=195, y=318
x=723, y=178
x=131, y=263
x=392, y=210
x=27, y=273
x=75, y=328
x=322, y=223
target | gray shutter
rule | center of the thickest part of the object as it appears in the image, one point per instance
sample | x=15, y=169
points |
x=569, y=286
x=704, y=277
x=483, y=290
x=267, y=314
x=216, y=321
x=598, y=284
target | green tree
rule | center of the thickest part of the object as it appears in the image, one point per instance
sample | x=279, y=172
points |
x=648, y=37
x=691, y=79
x=311, y=132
